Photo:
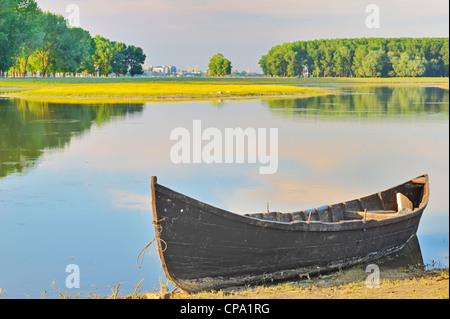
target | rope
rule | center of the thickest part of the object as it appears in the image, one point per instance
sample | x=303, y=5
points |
x=158, y=230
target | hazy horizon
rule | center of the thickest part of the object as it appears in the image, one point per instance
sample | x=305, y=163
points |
x=188, y=32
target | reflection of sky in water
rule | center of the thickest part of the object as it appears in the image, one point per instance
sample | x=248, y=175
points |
x=89, y=203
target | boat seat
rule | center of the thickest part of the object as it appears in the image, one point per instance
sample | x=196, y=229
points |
x=371, y=214
x=405, y=206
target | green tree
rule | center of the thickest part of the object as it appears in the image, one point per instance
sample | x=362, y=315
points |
x=276, y=62
x=342, y=64
x=54, y=27
x=72, y=50
x=135, y=59
x=282, y=60
x=405, y=65
x=32, y=34
x=374, y=63
x=219, y=65
x=264, y=64
x=119, y=61
x=32, y=40
x=360, y=57
x=327, y=61
x=358, y=61
x=8, y=41
x=293, y=66
x=104, y=53
x=17, y=30
x=444, y=54
x=369, y=63
x=312, y=49
x=88, y=64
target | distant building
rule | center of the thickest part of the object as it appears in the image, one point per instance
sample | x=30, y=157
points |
x=162, y=70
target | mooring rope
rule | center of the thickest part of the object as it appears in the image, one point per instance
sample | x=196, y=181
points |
x=158, y=230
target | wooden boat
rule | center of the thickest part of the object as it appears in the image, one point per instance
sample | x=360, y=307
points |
x=202, y=247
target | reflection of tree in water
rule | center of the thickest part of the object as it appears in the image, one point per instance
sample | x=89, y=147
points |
x=27, y=128
x=367, y=102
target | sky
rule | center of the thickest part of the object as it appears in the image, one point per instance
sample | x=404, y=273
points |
x=186, y=33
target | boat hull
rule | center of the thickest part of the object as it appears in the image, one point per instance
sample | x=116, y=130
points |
x=203, y=247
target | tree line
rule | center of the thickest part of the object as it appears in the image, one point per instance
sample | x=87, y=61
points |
x=359, y=57
x=35, y=41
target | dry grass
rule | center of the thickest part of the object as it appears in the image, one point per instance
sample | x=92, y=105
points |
x=426, y=285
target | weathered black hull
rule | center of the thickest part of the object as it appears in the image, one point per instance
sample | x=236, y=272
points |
x=203, y=247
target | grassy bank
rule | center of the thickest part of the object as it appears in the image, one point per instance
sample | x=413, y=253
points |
x=159, y=91
x=30, y=82
x=405, y=284
x=145, y=89
x=116, y=90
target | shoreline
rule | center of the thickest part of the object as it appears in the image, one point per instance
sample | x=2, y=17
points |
x=167, y=99
x=407, y=283
x=143, y=90
x=158, y=91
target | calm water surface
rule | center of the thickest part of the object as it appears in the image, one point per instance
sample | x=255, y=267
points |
x=74, y=179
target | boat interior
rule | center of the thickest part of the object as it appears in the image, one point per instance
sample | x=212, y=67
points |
x=387, y=204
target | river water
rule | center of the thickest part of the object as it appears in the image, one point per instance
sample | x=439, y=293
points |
x=75, y=179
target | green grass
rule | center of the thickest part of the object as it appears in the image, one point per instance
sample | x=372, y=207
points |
x=143, y=90
x=68, y=80
x=87, y=90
